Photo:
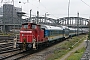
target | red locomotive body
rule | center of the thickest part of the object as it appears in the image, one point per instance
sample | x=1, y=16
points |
x=31, y=35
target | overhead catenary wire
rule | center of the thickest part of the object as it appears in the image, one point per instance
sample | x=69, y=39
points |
x=41, y=9
x=31, y=7
x=1, y=1
x=47, y=9
x=85, y=3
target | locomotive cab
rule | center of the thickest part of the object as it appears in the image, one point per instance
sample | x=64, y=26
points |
x=30, y=36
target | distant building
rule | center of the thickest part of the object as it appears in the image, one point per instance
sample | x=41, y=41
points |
x=1, y=21
x=1, y=10
x=10, y=14
x=9, y=17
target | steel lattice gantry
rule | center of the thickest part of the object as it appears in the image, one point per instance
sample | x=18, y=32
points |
x=73, y=21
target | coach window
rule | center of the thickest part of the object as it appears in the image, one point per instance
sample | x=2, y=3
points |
x=61, y=31
x=51, y=33
x=57, y=32
x=54, y=32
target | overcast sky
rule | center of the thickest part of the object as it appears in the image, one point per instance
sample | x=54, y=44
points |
x=56, y=8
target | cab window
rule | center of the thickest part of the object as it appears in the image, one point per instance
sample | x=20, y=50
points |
x=25, y=26
x=33, y=26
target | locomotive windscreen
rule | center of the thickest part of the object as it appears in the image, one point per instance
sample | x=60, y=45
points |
x=25, y=26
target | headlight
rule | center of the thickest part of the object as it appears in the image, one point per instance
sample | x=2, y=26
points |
x=29, y=45
x=17, y=45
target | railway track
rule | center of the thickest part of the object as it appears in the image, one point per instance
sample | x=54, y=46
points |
x=8, y=55
x=2, y=45
x=7, y=46
x=16, y=55
x=8, y=51
x=6, y=39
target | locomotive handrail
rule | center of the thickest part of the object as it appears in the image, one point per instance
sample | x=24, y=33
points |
x=17, y=37
x=37, y=40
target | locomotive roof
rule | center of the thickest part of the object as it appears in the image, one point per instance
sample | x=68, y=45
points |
x=28, y=22
x=51, y=27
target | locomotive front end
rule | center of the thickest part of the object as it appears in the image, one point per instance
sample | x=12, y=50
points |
x=31, y=36
x=26, y=38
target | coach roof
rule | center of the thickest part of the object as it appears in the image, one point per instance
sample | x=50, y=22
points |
x=51, y=27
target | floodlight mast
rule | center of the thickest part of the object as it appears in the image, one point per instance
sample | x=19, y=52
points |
x=68, y=12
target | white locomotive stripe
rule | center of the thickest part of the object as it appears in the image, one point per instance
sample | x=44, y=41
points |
x=25, y=31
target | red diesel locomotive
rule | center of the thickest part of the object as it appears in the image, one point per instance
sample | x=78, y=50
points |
x=30, y=36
